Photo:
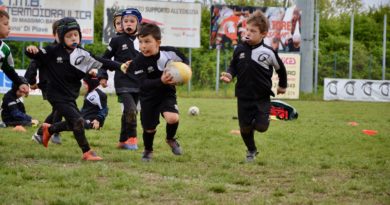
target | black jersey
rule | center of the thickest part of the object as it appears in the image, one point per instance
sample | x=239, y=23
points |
x=253, y=66
x=124, y=48
x=150, y=69
x=64, y=79
x=95, y=106
x=13, y=108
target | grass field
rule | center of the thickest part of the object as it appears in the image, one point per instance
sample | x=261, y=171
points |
x=317, y=159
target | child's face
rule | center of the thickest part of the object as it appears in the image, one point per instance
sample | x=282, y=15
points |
x=129, y=24
x=148, y=45
x=4, y=27
x=103, y=83
x=253, y=36
x=72, y=38
x=118, y=26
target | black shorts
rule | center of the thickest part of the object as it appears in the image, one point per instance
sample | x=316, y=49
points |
x=152, y=108
x=257, y=110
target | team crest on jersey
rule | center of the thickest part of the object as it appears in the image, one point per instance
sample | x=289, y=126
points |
x=91, y=98
x=59, y=59
x=124, y=47
x=150, y=69
x=241, y=56
x=263, y=57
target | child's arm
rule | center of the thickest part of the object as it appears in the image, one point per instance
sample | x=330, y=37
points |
x=282, y=74
x=231, y=72
x=31, y=74
x=8, y=69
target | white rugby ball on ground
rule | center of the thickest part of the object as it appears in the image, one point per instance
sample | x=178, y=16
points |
x=193, y=110
x=181, y=72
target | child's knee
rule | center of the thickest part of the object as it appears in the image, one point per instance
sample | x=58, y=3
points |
x=261, y=127
x=171, y=118
x=130, y=115
x=78, y=125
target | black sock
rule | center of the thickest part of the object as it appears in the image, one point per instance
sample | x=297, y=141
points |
x=249, y=140
x=171, y=130
x=148, y=140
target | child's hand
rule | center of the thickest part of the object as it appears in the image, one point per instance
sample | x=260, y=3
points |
x=280, y=90
x=34, y=87
x=125, y=66
x=34, y=122
x=95, y=124
x=226, y=77
x=32, y=49
x=24, y=89
x=166, y=78
x=93, y=72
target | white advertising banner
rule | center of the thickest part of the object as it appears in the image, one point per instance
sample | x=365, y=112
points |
x=356, y=90
x=31, y=20
x=293, y=66
x=179, y=22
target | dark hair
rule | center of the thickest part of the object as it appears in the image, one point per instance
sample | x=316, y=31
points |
x=259, y=20
x=4, y=13
x=54, y=26
x=150, y=29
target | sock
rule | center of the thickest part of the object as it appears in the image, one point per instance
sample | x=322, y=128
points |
x=148, y=140
x=249, y=140
x=171, y=130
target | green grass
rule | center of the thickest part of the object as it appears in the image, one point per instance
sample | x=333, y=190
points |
x=317, y=159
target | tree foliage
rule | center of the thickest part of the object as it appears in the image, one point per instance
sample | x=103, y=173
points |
x=334, y=41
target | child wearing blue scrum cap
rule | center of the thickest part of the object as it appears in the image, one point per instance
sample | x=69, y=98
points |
x=123, y=48
x=67, y=63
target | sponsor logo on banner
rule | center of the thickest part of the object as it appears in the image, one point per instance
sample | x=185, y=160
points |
x=179, y=22
x=31, y=20
x=356, y=90
x=292, y=61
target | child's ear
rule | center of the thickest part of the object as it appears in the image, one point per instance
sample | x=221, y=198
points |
x=158, y=43
x=264, y=34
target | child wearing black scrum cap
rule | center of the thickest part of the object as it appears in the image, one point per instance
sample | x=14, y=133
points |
x=95, y=110
x=13, y=111
x=67, y=63
x=123, y=48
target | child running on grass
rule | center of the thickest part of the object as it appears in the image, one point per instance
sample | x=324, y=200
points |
x=158, y=91
x=67, y=64
x=123, y=48
x=253, y=63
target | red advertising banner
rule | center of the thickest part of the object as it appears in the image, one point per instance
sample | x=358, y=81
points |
x=228, y=25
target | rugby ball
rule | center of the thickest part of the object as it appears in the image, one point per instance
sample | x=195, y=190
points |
x=193, y=110
x=181, y=72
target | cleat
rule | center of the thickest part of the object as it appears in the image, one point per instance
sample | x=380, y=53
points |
x=251, y=155
x=147, y=156
x=46, y=135
x=56, y=138
x=37, y=138
x=91, y=156
x=124, y=145
x=132, y=142
x=175, y=146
